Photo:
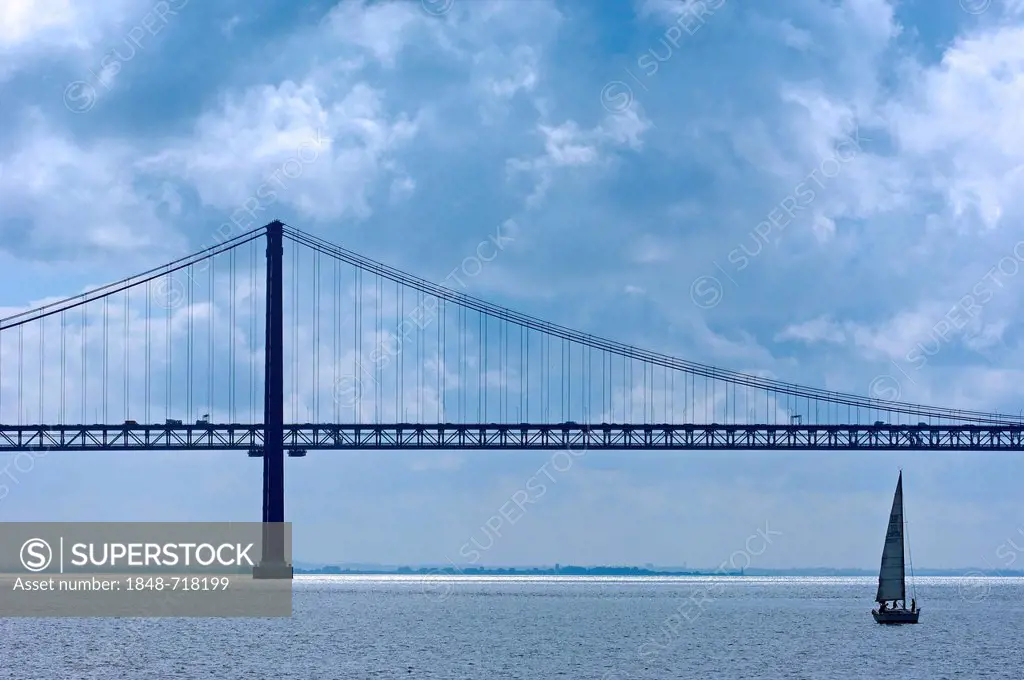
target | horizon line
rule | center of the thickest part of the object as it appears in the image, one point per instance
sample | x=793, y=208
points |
x=310, y=564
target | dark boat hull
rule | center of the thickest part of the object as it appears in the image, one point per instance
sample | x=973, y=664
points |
x=896, y=615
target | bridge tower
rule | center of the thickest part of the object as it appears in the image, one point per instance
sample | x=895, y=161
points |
x=273, y=563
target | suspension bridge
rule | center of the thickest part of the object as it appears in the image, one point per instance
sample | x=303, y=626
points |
x=193, y=355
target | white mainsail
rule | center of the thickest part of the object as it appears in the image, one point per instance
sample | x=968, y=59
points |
x=892, y=575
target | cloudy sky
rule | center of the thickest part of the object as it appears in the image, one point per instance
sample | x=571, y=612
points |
x=825, y=191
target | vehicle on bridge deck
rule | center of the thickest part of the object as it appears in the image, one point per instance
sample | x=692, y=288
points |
x=892, y=581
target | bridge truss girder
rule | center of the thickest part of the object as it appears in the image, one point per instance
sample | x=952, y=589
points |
x=299, y=438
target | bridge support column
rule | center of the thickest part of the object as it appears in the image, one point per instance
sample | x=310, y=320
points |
x=273, y=564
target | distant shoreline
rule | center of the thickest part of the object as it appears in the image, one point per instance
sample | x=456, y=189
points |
x=510, y=571
x=570, y=570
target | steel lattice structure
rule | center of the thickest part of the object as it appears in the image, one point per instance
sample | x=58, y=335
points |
x=299, y=439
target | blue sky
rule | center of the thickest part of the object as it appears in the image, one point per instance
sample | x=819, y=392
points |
x=655, y=159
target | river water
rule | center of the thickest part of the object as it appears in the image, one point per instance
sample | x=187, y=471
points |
x=550, y=627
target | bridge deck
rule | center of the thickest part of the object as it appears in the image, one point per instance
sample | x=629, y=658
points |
x=572, y=436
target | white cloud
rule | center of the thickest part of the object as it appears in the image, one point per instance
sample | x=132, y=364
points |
x=956, y=121
x=228, y=27
x=382, y=29
x=69, y=28
x=293, y=143
x=23, y=20
x=671, y=10
x=569, y=146
x=520, y=73
x=816, y=330
x=649, y=249
x=81, y=196
x=950, y=173
x=402, y=188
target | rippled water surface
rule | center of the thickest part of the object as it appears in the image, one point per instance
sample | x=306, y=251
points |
x=551, y=627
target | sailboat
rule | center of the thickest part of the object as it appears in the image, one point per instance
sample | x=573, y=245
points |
x=892, y=581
